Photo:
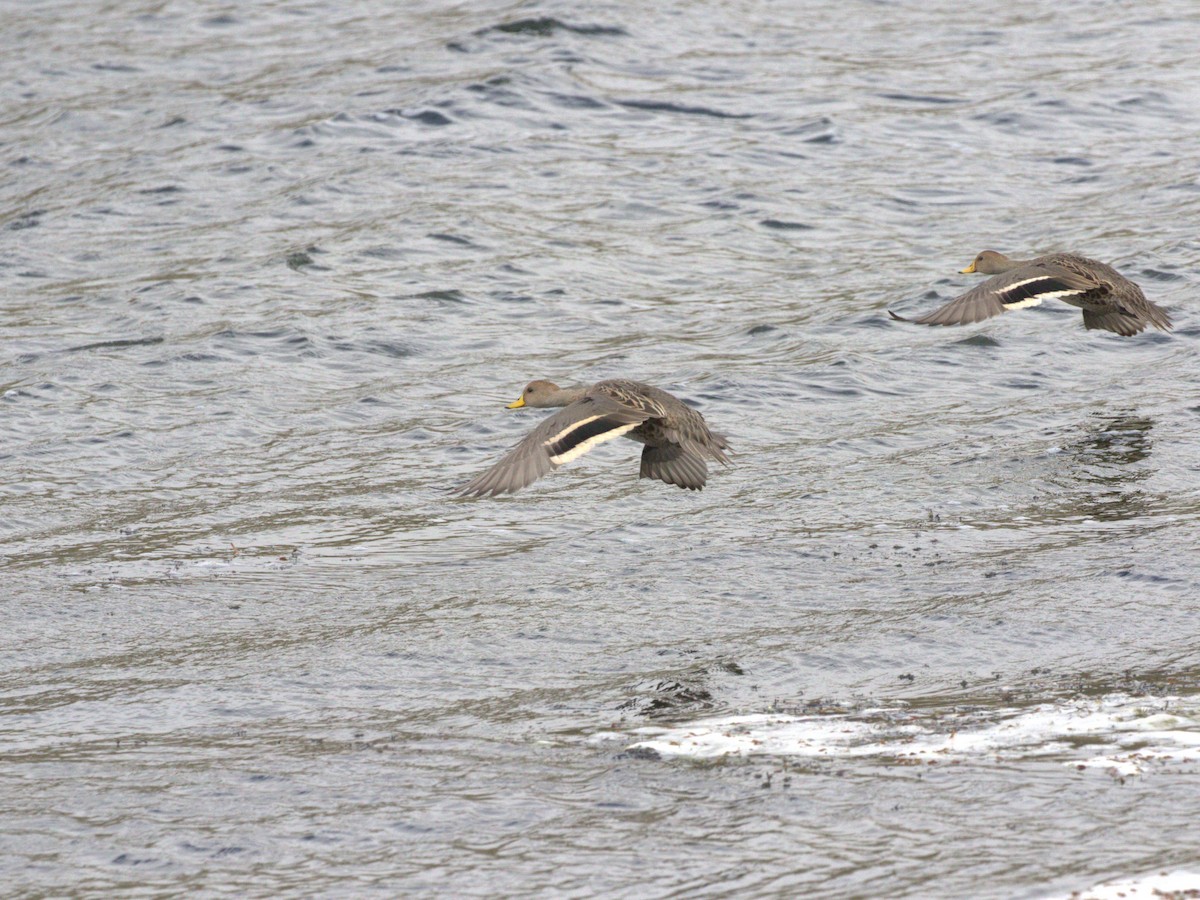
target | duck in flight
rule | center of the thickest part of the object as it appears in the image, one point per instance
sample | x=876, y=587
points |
x=1108, y=299
x=677, y=439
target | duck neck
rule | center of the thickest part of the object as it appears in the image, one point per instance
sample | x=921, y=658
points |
x=561, y=397
x=1003, y=264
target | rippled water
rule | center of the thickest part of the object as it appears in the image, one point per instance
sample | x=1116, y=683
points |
x=269, y=275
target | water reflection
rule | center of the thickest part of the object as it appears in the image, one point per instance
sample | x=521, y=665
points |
x=1092, y=470
x=1109, y=445
x=1105, y=454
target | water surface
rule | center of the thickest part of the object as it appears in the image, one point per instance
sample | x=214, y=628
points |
x=269, y=276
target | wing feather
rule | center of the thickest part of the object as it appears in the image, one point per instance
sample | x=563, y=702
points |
x=1020, y=288
x=568, y=434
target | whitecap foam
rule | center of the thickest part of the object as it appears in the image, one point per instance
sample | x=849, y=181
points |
x=1123, y=735
x=1157, y=886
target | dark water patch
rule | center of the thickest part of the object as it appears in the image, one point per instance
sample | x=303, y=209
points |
x=1149, y=98
x=383, y=253
x=1161, y=337
x=279, y=342
x=114, y=67
x=30, y=219
x=1149, y=578
x=681, y=109
x=544, y=26
x=813, y=131
x=386, y=348
x=114, y=344
x=1072, y=161
x=761, y=329
x=126, y=859
x=268, y=334
x=576, y=101
x=832, y=391
x=1160, y=275
x=109, y=211
x=444, y=296
x=876, y=320
x=567, y=57
x=430, y=117
x=1009, y=121
x=165, y=189
x=943, y=196
x=781, y=225
x=922, y=98
x=452, y=239
x=298, y=260
x=501, y=95
x=978, y=340
x=643, y=754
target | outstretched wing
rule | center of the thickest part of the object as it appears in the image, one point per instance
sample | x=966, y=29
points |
x=673, y=464
x=1026, y=286
x=566, y=435
x=1115, y=320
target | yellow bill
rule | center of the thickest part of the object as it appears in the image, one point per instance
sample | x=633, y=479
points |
x=516, y=404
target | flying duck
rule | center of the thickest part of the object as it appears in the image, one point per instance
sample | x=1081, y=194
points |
x=1108, y=299
x=677, y=439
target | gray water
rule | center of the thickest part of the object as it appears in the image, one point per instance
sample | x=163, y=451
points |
x=271, y=271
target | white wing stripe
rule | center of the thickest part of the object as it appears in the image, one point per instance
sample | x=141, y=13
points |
x=584, y=446
x=579, y=423
x=1036, y=299
x=1017, y=284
